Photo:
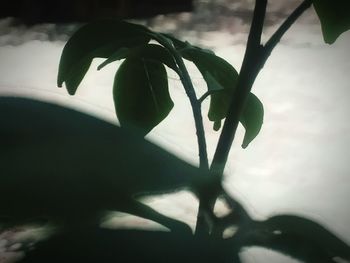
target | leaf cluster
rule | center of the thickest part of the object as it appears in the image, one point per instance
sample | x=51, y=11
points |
x=140, y=90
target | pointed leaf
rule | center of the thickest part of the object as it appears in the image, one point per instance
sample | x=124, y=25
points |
x=252, y=119
x=216, y=125
x=149, y=52
x=141, y=94
x=334, y=17
x=98, y=39
x=120, y=54
x=215, y=68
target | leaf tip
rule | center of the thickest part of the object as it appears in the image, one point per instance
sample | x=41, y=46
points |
x=217, y=125
x=244, y=145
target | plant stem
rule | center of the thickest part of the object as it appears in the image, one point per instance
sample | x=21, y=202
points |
x=276, y=37
x=242, y=89
x=255, y=57
x=206, y=95
x=249, y=70
x=197, y=113
x=191, y=94
x=254, y=60
x=201, y=226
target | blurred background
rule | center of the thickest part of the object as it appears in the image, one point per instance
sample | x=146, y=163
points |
x=298, y=164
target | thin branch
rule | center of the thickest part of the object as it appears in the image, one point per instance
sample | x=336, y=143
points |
x=197, y=113
x=254, y=59
x=191, y=94
x=202, y=226
x=242, y=89
x=276, y=37
x=206, y=95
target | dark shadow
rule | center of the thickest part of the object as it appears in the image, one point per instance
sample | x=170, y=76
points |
x=103, y=245
x=70, y=167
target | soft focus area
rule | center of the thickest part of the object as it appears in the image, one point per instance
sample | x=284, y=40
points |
x=298, y=164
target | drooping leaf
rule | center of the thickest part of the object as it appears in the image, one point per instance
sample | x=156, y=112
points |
x=334, y=17
x=150, y=52
x=98, y=39
x=252, y=119
x=221, y=80
x=219, y=75
x=141, y=94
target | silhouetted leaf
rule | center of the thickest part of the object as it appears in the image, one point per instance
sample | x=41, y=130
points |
x=141, y=94
x=213, y=84
x=217, y=125
x=297, y=247
x=311, y=230
x=334, y=17
x=122, y=53
x=178, y=44
x=252, y=118
x=298, y=237
x=149, y=52
x=98, y=39
x=219, y=75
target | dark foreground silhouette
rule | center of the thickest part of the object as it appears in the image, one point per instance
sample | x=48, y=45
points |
x=102, y=245
x=69, y=167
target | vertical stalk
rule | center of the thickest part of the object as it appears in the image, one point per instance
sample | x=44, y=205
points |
x=244, y=84
x=191, y=94
x=254, y=60
x=201, y=226
x=249, y=70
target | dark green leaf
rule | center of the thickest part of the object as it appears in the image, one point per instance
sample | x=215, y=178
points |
x=149, y=52
x=252, y=118
x=213, y=84
x=120, y=54
x=141, y=94
x=98, y=39
x=334, y=16
x=215, y=68
x=217, y=125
